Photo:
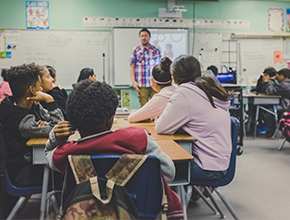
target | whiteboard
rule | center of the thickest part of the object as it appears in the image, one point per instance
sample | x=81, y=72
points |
x=67, y=51
x=207, y=49
x=256, y=55
x=125, y=39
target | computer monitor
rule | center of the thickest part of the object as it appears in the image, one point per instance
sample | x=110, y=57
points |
x=226, y=78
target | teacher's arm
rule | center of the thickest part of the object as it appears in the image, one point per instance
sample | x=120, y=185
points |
x=132, y=75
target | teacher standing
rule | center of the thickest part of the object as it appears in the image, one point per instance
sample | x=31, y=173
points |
x=142, y=60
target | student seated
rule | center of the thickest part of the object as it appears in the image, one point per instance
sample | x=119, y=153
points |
x=201, y=108
x=161, y=83
x=87, y=73
x=91, y=107
x=214, y=70
x=4, y=86
x=23, y=118
x=280, y=86
x=48, y=75
x=269, y=74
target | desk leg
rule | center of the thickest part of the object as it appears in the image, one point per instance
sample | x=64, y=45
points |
x=182, y=194
x=44, y=192
x=256, y=120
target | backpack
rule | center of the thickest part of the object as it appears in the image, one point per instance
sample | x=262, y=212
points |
x=98, y=198
x=284, y=126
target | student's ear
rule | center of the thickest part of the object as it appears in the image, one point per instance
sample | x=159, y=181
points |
x=109, y=122
x=32, y=90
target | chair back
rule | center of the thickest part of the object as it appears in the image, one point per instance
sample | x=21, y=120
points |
x=145, y=186
x=10, y=188
x=235, y=125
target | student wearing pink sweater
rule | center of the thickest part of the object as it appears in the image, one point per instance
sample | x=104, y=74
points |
x=200, y=107
x=161, y=83
x=4, y=86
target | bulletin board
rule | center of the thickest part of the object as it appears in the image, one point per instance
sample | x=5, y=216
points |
x=67, y=51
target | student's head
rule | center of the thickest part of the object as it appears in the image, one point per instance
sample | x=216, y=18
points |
x=87, y=73
x=185, y=68
x=52, y=72
x=46, y=79
x=283, y=74
x=4, y=74
x=144, y=35
x=270, y=71
x=214, y=69
x=24, y=80
x=161, y=76
x=91, y=107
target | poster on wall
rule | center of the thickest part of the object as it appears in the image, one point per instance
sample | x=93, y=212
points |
x=37, y=15
x=288, y=19
x=275, y=19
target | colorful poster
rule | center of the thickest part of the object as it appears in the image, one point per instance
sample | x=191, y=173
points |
x=37, y=15
x=288, y=20
x=125, y=98
x=278, y=56
x=2, y=42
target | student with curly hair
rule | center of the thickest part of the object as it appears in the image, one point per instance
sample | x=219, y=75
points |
x=161, y=83
x=23, y=118
x=48, y=85
x=91, y=107
x=4, y=86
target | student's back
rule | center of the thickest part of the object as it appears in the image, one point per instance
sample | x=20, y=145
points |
x=200, y=107
x=91, y=108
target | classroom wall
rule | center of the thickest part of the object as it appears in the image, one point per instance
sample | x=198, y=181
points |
x=68, y=14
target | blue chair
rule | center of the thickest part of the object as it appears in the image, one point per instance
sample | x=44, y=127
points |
x=235, y=124
x=145, y=187
x=23, y=192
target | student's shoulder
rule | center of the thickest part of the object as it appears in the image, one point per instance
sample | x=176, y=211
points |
x=131, y=130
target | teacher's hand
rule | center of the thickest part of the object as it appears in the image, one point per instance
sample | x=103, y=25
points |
x=135, y=85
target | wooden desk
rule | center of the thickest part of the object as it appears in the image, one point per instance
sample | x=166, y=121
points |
x=261, y=99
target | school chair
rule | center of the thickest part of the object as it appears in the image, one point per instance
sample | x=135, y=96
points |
x=235, y=124
x=23, y=192
x=145, y=187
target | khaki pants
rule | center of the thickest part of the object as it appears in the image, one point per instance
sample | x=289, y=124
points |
x=144, y=94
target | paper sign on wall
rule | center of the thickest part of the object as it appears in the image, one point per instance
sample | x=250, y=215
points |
x=278, y=56
x=37, y=15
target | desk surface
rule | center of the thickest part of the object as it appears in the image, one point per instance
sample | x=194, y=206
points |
x=166, y=142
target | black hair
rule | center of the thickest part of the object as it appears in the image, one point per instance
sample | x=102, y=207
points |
x=4, y=74
x=285, y=72
x=214, y=69
x=51, y=70
x=85, y=74
x=270, y=71
x=21, y=77
x=145, y=29
x=161, y=72
x=186, y=68
x=90, y=105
